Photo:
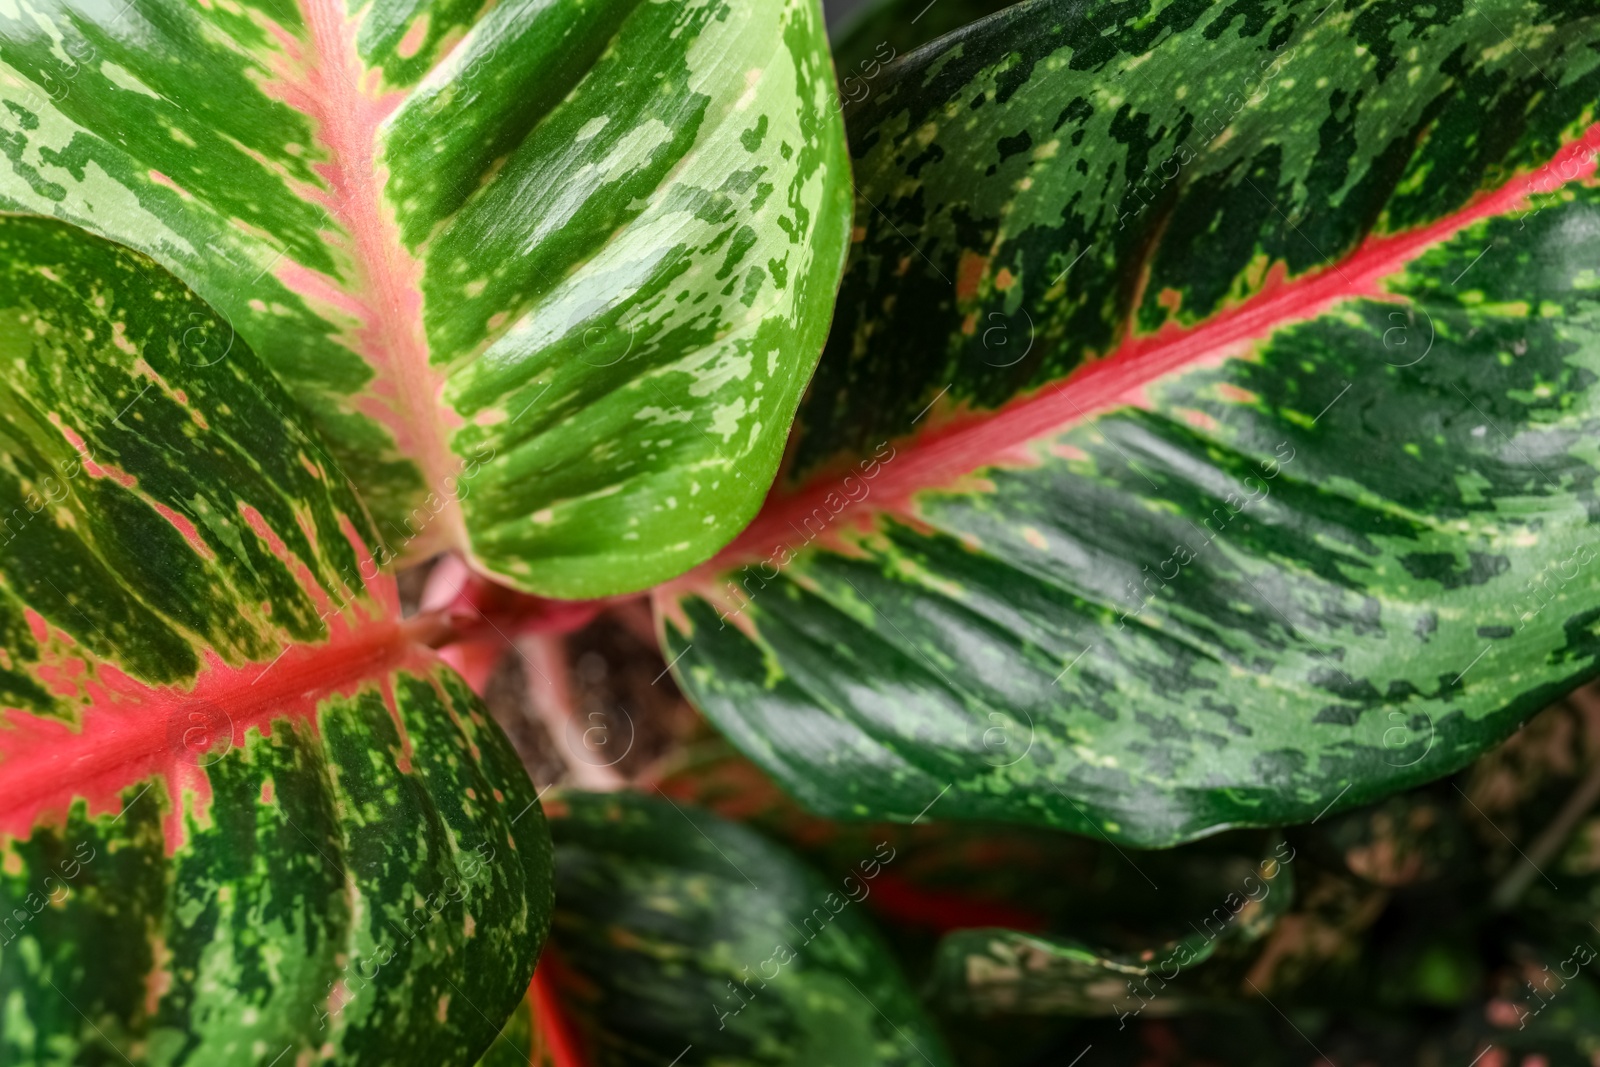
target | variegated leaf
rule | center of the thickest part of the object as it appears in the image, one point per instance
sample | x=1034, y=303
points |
x=1226, y=912
x=1206, y=434
x=550, y=276
x=245, y=816
x=678, y=934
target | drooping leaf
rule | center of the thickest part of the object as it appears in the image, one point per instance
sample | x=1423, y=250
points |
x=1008, y=971
x=1258, y=1036
x=1002, y=971
x=950, y=876
x=677, y=934
x=1205, y=434
x=550, y=276
x=244, y=813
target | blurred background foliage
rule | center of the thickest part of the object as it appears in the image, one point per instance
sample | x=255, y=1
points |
x=1454, y=925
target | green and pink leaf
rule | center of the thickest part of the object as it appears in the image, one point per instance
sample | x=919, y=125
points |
x=244, y=810
x=1203, y=439
x=549, y=278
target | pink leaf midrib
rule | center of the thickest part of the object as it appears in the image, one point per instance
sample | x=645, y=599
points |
x=341, y=95
x=130, y=732
x=966, y=442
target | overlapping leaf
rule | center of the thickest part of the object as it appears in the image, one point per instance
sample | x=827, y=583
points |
x=520, y=1042
x=999, y=970
x=677, y=934
x=1206, y=434
x=549, y=276
x=244, y=814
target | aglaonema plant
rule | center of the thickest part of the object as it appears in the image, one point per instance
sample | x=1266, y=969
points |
x=1203, y=440
x=295, y=292
x=245, y=811
x=1204, y=434
x=547, y=278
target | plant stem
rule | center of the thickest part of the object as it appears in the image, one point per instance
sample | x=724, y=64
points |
x=637, y=615
x=550, y=694
x=1548, y=844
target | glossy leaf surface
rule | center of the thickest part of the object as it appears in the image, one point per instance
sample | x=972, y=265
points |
x=1019, y=920
x=244, y=813
x=879, y=31
x=1205, y=436
x=679, y=934
x=549, y=276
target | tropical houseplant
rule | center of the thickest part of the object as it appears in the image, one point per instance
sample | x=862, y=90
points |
x=1163, y=419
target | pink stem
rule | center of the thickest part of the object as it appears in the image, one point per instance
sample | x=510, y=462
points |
x=550, y=693
x=639, y=618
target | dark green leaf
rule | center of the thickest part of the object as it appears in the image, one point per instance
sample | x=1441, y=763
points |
x=879, y=31
x=1205, y=437
x=1013, y=972
x=677, y=934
